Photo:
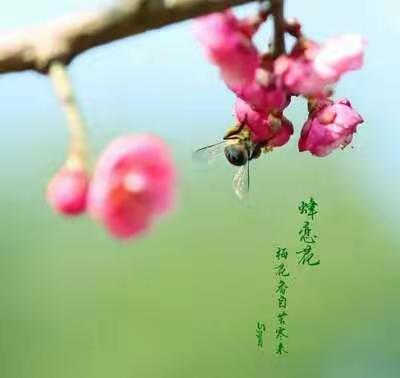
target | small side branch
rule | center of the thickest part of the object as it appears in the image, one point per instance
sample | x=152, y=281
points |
x=61, y=41
x=277, y=10
x=77, y=156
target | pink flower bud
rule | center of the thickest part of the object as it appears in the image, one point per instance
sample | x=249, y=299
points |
x=67, y=191
x=134, y=181
x=329, y=126
x=272, y=131
x=282, y=134
x=228, y=45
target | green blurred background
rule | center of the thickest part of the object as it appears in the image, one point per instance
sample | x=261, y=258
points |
x=184, y=300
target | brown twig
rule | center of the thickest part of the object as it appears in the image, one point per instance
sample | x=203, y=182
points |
x=279, y=27
x=63, y=40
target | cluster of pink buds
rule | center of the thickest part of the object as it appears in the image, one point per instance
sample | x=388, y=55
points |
x=264, y=83
x=133, y=182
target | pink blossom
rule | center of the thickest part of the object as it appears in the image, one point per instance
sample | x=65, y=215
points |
x=263, y=98
x=67, y=191
x=250, y=25
x=271, y=130
x=228, y=44
x=311, y=67
x=329, y=126
x=134, y=181
x=298, y=75
x=339, y=55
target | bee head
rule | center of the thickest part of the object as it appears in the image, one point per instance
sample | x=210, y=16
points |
x=236, y=154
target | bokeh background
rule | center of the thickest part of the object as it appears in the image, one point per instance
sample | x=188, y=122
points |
x=184, y=301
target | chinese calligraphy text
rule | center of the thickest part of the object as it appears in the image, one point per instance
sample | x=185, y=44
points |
x=306, y=235
x=281, y=271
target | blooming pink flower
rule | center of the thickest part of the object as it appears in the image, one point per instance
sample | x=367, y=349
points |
x=329, y=126
x=228, y=45
x=311, y=67
x=134, y=181
x=67, y=191
x=271, y=130
x=339, y=55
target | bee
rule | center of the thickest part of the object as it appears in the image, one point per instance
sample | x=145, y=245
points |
x=239, y=150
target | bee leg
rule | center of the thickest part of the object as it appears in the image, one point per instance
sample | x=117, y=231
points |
x=267, y=148
x=256, y=152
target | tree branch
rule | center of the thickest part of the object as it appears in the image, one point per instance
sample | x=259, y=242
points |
x=63, y=40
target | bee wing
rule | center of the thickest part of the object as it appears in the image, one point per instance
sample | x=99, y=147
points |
x=209, y=153
x=241, y=181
